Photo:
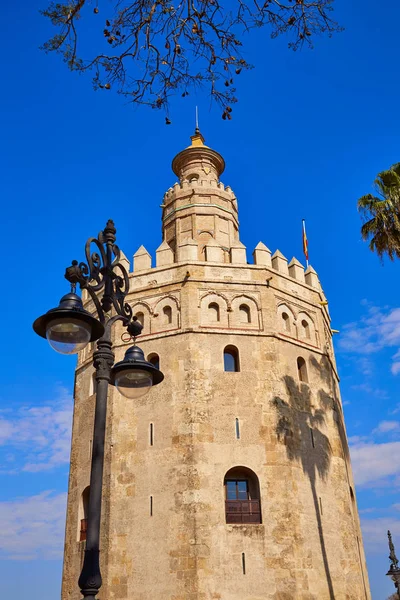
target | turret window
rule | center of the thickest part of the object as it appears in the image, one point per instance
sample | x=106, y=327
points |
x=286, y=322
x=242, y=496
x=302, y=370
x=231, y=359
x=193, y=178
x=305, y=329
x=140, y=318
x=167, y=312
x=154, y=359
x=244, y=313
x=213, y=311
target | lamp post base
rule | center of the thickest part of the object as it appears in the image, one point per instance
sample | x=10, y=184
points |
x=90, y=578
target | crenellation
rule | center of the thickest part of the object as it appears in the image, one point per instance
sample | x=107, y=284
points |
x=164, y=255
x=214, y=252
x=124, y=261
x=280, y=263
x=296, y=270
x=188, y=250
x=311, y=278
x=262, y=255
x=141, y=260
x=238, y=253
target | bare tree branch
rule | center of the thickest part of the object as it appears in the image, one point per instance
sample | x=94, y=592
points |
x=151, y=49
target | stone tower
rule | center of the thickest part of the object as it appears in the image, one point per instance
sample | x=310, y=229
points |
x=231, y=480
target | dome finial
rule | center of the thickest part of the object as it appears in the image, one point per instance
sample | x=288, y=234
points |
x=197, y=130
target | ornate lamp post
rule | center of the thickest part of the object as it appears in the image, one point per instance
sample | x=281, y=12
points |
x=69, y=328
x=394, y=571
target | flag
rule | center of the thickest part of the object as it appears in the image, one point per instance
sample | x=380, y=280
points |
x=305, y=241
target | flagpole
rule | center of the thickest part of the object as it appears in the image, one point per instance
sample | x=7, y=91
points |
x=305, y=242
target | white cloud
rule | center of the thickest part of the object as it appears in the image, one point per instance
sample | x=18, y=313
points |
x=387, y=427
x=375, y=533
x=33, y=527
x=368, y=389
x=40, y=436
x=379, y=328
x=373, y=463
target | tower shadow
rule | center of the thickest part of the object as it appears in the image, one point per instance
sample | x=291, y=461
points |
x=299, y=420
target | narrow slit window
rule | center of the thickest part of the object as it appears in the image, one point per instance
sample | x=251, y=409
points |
x=237, y=429
x=320, y=506
x=244, y=563
x=302, y=370
x=312, y=438
x=151, y=434
x=151, y=506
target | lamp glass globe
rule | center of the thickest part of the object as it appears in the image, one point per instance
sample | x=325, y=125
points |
x=68, y=336
x=133, y=383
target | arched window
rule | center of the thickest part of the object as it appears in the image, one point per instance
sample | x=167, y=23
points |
x=154, y=359
x=286, y=322
x=85, y=512
x=302, y=370
x=193, y=178
x=167, y=311
x=140, y=318
x=244, y=313
x=213, y=312
x=231, y=359
x=305, y=329
x=242, y=496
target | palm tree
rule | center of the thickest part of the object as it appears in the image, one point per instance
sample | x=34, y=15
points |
x=381, y=214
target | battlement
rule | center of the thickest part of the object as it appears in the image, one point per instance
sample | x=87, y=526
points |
x=199, y=185
x=214, y=254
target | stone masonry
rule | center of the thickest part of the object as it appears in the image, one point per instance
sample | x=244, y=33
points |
x=277, y=420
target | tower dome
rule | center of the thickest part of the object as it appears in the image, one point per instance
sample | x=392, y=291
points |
x=198, y=159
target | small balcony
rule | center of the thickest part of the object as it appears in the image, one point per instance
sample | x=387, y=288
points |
x=82, y=536
x=243, y=511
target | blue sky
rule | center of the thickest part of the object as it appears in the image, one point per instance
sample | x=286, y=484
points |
x=310, y=133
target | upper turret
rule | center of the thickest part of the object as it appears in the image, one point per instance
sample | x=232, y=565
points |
x=199, y=207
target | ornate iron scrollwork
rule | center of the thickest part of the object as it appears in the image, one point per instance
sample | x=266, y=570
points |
x=103, y=270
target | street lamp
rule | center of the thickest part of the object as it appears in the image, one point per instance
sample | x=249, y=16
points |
x=394, y=570
x=69, y=328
